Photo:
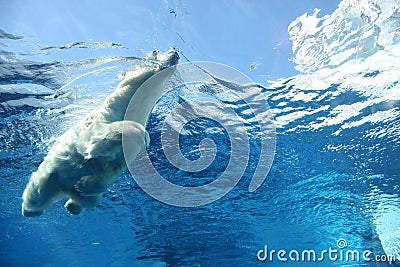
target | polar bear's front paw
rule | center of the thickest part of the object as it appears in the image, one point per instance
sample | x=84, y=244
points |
x=73, y=207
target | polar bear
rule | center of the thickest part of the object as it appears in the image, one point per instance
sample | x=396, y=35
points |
x=89, y=157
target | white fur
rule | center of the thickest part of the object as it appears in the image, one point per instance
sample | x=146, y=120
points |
x=88, y=158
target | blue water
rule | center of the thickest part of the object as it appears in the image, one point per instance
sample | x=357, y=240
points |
x=335, y=175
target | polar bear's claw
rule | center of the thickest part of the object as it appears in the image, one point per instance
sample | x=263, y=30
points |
x=31, y=214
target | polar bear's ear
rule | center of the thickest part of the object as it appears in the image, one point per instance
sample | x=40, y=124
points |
x=122, y=75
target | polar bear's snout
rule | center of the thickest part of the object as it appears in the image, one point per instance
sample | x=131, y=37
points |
x=173, y=58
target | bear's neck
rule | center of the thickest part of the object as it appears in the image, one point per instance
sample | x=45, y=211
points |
x=140, y=102
x=115, y=105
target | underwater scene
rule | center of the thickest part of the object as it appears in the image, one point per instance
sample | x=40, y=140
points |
x=264, y=134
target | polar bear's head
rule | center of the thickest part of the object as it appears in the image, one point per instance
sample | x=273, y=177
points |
x=152, y=63
x=164, y=60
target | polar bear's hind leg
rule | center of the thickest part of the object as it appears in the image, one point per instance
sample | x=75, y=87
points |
x=77, y=203
x=72, y=207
